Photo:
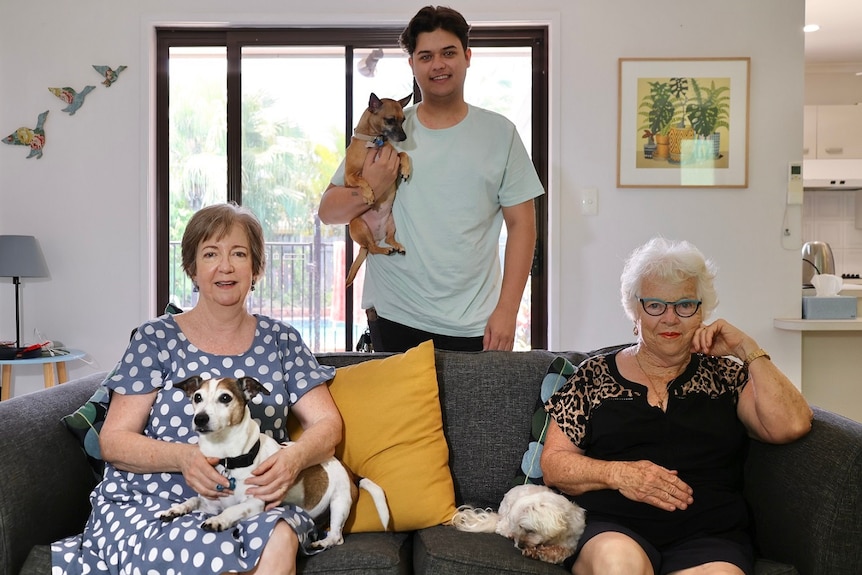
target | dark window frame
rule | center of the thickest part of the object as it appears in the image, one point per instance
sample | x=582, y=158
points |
x=351, y=38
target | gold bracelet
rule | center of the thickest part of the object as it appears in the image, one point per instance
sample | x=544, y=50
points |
x=754, y=355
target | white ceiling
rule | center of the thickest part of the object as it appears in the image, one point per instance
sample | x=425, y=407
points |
x=839, y=39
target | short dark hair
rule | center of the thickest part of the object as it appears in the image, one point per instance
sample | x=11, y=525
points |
x=432, y=18
x=216, y=221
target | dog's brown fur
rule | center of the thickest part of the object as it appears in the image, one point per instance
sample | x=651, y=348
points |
x=383, y=120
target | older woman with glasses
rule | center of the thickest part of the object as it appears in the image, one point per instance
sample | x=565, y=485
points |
x=651, y=439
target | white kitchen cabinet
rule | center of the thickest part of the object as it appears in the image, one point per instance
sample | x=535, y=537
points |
x=809, y=132
x=839, y=132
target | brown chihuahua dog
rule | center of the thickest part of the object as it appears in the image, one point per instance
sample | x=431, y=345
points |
x=380, y=122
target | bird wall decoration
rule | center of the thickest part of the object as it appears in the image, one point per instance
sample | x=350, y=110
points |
x=74, y=99
x=32, y=137
x=110, y=75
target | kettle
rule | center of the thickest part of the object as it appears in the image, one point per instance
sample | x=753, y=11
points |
x=816, y=259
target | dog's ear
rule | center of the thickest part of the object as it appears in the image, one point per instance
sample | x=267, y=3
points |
x=405, y=101
x=251, y=387
x=190, y=385
x=374, y=103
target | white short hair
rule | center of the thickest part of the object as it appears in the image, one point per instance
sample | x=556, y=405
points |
x=670, y=262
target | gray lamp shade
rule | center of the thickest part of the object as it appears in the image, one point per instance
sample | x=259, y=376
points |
x=21, y=256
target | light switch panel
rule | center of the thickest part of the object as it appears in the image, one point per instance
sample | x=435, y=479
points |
x=589, y=201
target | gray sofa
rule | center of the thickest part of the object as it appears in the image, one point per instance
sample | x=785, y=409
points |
x=805, y=497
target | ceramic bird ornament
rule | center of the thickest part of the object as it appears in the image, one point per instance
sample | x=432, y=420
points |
x=109, y=74
x=33, y=137
x=71, y=97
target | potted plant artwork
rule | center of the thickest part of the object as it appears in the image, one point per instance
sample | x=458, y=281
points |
x=649, y=147
x=709, y=111
x=657, y=110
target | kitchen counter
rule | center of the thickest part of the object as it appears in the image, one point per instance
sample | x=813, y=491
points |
x=799, y=324
x=796, y=324
x=831, y=359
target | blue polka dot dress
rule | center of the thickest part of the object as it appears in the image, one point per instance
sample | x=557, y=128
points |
x=123, y=535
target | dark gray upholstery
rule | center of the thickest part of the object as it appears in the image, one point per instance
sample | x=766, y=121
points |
x=805, y=496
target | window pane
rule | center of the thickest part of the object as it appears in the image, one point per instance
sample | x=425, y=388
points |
x=198, y=147
x=292, y=139
x=500, y=79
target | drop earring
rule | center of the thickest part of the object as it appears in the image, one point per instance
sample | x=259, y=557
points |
x=252, y=284
x=195, y=287
x=635, y=330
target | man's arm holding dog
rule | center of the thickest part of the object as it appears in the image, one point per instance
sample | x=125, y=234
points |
x=321, y=433
x=340, y=204
x=520, y=244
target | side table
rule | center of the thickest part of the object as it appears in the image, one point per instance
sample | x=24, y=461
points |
x=46, y=361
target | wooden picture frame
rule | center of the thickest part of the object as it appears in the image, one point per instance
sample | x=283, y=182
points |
x=683, y=122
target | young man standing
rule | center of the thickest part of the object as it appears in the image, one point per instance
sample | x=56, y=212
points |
x=470, y=172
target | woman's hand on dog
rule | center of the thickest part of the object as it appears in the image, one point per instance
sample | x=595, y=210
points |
x=201, y=475
x=271, y=480
x=647, y=482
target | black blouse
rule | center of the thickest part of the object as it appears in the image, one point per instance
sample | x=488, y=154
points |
x=699, y=436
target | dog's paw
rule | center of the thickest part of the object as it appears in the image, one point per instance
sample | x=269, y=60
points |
x=327, y=542
x=215, y=526
x=548, y=553
x=169, y=515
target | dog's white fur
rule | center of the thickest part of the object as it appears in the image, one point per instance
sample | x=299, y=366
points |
x=226, y=429
x=543, y=524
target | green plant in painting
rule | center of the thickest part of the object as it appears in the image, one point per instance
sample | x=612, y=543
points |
x=657, y=109
x=710, y=109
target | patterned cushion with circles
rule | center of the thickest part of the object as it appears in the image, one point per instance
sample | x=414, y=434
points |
x=530, y=471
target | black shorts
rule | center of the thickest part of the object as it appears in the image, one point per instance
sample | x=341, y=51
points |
x=387, y=335
x=683, y=555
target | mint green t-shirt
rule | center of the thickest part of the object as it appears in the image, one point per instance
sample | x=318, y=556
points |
x=448, y=216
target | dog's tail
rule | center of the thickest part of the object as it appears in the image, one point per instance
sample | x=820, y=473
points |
x=379, y=498
x=475, y=520
x=354, y=267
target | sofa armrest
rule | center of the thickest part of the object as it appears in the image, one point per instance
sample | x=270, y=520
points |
x=46, y=477
x=806, y=498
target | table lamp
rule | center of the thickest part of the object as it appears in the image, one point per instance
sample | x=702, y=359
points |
x=20, y=256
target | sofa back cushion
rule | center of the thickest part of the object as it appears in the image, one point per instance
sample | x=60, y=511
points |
x=488, y=400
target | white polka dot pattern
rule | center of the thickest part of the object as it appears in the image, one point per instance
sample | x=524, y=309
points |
x=122, y=535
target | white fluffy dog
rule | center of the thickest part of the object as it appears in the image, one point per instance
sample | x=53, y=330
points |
x=543, y=524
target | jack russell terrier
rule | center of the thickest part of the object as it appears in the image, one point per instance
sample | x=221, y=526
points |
x=227, y=431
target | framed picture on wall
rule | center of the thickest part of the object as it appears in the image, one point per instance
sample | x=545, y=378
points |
x=683, y=122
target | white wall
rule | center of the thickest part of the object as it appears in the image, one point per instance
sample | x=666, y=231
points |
x=88, y=198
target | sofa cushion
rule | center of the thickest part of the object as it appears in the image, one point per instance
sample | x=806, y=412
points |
x=85, y=423
x=443, y=550
x=488, y=400
x=393, y=434
x=560, y=370
x=363, y=554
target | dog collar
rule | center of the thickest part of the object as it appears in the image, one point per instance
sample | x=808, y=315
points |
x=241, y=461
x=370, y=141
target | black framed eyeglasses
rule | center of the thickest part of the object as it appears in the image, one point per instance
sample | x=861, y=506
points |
x=681, y=307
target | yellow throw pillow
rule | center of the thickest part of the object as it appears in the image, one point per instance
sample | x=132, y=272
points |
x=393, y=434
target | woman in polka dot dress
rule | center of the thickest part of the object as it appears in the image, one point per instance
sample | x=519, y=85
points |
x=150, y=448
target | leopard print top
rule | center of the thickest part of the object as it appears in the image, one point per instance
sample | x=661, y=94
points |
x=597, y=381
